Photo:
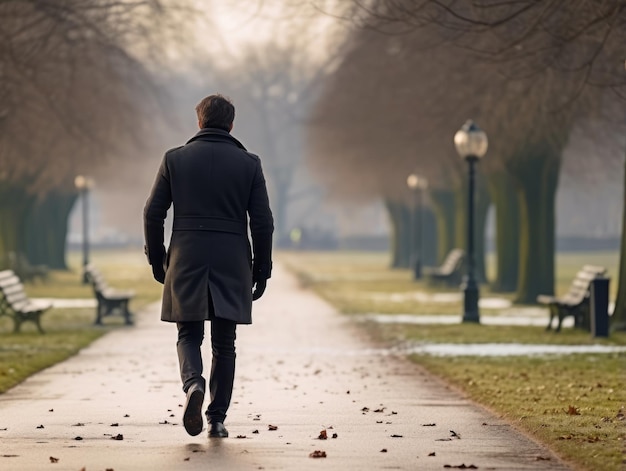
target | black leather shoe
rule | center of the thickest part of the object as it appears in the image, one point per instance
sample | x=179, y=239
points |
x=192, y=417
x=218, y=430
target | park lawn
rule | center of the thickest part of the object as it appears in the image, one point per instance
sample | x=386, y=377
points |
x=69, y=330
x=572, y=403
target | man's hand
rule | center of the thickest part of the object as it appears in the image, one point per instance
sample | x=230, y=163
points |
x=259, y=288
x=158, y=272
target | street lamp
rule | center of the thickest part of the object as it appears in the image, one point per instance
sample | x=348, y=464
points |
x=471, y=144
x=84, y=184
x=416, y=184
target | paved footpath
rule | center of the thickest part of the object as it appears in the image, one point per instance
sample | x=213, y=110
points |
x=302, y=368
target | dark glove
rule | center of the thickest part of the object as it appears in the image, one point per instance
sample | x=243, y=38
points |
x=158, y=272
x=259, y=288
x=157, y=262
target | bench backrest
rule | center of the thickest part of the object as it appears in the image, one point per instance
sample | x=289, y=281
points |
x=452, y=261
x=96, y=279
x=12, y=289
x=579, y=289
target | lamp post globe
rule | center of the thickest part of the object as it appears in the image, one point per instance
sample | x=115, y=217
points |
x=471, y=143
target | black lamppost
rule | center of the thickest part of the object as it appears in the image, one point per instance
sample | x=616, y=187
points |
x=416, y=184
x=84, y=184
x=471, y=144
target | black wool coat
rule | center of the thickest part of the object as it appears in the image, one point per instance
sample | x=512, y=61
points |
x=218, y=191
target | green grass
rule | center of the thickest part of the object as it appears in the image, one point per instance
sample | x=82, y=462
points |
x=572, y=403
x=69, y=330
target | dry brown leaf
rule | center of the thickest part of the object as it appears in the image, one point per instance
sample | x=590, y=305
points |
x=317, y=454
x=272, y=427
x=119, y=436
x=54, y=460
x=384, y=450
x=572, y=410
x=323, y=435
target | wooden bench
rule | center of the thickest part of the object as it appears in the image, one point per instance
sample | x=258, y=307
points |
x=576, y=301
x=110, y=300
x=15, y=304
x=450, y=271
x=21, y=266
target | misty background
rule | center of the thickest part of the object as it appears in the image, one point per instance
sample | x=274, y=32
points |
x=271, y=58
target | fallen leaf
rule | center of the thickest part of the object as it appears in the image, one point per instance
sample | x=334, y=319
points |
x=54, y=460
x=119, y=436
x=429, y=425
x=317, y=454
x=323, y=435
x=78, y=438
x=382, y=409
x=384, y=450
x=40, y=426
x=454, y=434
x=571, y=410
x=461, y=466
x=396, y=436
x=115, y=425
x=255, y=431
x=272, y=427
x=335, y=435
x=126, y=415
x=365, y=409
x=79, y=424
x=241, y=436
x=4, y=429
x=165, y=422
x=50, y=410
x=543, y=458
x=432, y=454
x=10, y=456
x=186, y=459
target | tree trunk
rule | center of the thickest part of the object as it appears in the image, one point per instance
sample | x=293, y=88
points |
x=507, y=233
x=399, y=216
x=15, y=203
x=280, y=205
x=443, y=206
x=429, y=237
x=536, y=184
x=618, y=320
x=47, y=230
x=483, y=202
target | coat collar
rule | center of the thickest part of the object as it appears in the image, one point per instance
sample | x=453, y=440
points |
x=215, y=135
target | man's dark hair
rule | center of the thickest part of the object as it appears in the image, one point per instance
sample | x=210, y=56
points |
x=216, y=111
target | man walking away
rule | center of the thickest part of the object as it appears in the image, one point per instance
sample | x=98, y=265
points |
x=217, y=190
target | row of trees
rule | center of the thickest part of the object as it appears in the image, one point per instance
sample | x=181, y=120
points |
x=522, y=71
x=74, y=98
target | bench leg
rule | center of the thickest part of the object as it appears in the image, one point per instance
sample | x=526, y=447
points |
x=38, y=323
x=127, y=314
x=99, y=313
x=553, y=313
x=561, y=315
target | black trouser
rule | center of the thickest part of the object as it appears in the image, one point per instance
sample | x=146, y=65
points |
x=190, y=336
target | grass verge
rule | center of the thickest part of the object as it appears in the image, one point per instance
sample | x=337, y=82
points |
x=572, y=403
x=69, y=330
